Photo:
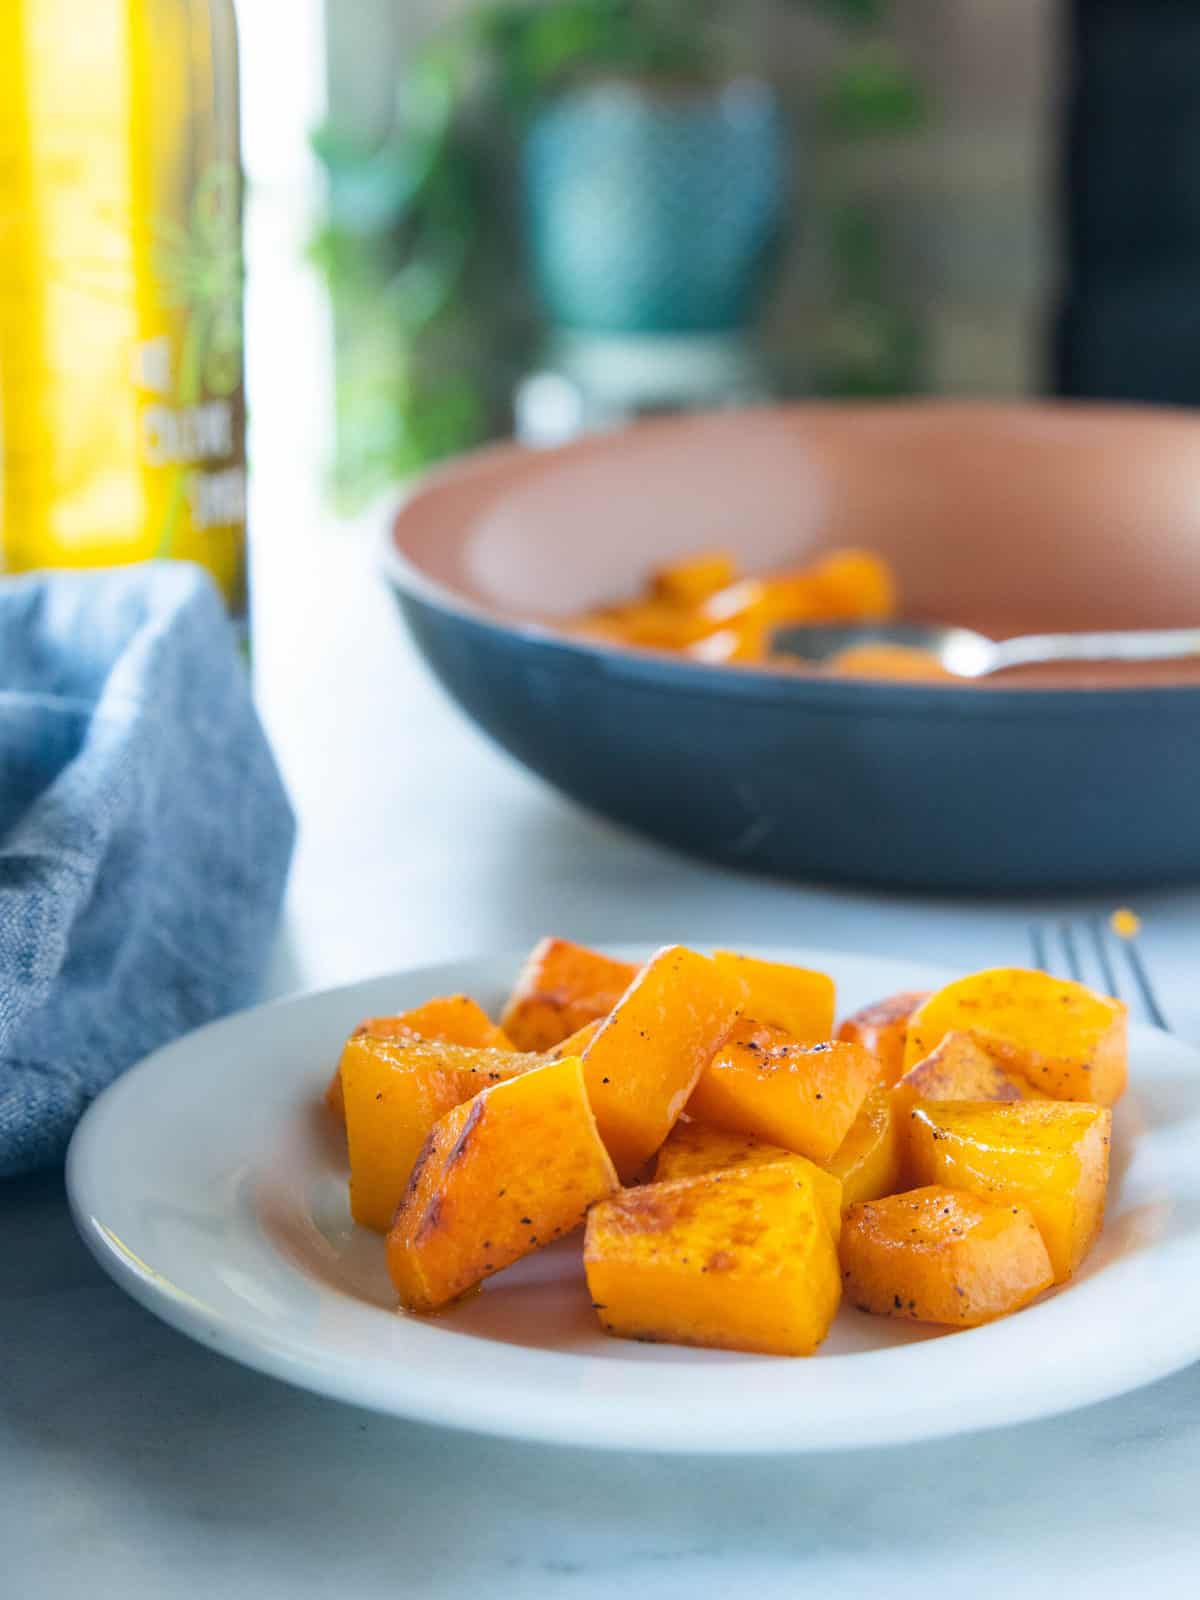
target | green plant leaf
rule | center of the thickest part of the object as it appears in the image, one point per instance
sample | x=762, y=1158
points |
x=874, y=94
x=371, y=189
x=853, y=13
x=868, y=349
x=856, y=248
x=536, y=48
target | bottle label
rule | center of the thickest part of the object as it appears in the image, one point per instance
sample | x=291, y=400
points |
x=189, y=422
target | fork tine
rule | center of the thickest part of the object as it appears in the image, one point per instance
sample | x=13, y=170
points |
x=1067, y=935
x=1142, y=979
x=1100, y=942
x=1071, y=951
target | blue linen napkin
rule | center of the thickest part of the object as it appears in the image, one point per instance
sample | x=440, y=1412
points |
x=144, y=835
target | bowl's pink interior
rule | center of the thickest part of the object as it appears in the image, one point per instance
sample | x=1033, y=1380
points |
x=1005, y=518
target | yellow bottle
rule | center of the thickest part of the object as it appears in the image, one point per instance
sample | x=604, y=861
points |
x=122, y=408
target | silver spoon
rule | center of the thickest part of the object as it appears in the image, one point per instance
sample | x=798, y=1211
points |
x=974, y=655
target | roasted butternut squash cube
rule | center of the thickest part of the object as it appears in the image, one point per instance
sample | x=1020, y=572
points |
x=740, y=1260
x=1065, y=1039
x=881, y=1028
x=396, y=1089
x=894, y=663
x=648, y=1054
x=803, y=1096
x=854, y=586
x=498, y=1177
x=692, y=580
x=743, y=641
x=841, y=586
x=959, y=1069
x=693, y=1148
x=561, y=987
x=575, y=1043
x=795, y=999
x=1047, y=1155
x=942, y=1255
x=746, y=600
x=792, y=597
x=868, y=1162
x=648, y=624
x=447, y=1019
x=451, y=1018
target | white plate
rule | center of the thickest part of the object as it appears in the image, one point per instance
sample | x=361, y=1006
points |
x=210, y=1184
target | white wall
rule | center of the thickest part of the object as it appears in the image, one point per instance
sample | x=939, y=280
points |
x=283, y=86
x=288, y=339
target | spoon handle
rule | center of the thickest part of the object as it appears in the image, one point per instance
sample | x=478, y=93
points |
x=1150, y=644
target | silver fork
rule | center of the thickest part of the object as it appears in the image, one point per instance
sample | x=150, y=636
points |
x=1096, y=934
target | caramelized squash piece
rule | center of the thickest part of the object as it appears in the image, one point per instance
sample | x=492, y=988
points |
x=648, y=1054
x=792, y=597
x=693, y=1148
x=647, y=625
x=741, y=642
x=575, y=1043
x=395, y=1090
x=896, y=663
x=868, y=1162
x=1065, y=1039
x=802, y=1096
x=701, y=607
x=882, y=1027
x=448, y=1019
x=742, y=618
x=451, y=1018
x=745, y=600
x=1047, y=1155
x=959, y=1069
x=940, y=1255
x=795, y=999
x=335, y=1100
x=842, y=586
x=739, y=1260
x=561, y=987
x=498, y=1177
x=690, y=582
x=854, y=586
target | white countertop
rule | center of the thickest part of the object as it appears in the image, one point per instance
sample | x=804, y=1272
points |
x=139, y=1465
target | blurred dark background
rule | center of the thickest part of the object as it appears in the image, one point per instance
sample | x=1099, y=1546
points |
x=1130, y=203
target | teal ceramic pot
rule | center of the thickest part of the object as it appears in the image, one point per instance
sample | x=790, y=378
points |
x=654, y=208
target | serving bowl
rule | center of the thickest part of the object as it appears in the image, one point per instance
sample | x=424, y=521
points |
x=1003, y=518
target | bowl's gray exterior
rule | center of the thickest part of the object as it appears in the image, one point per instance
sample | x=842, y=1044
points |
x=909, y=786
